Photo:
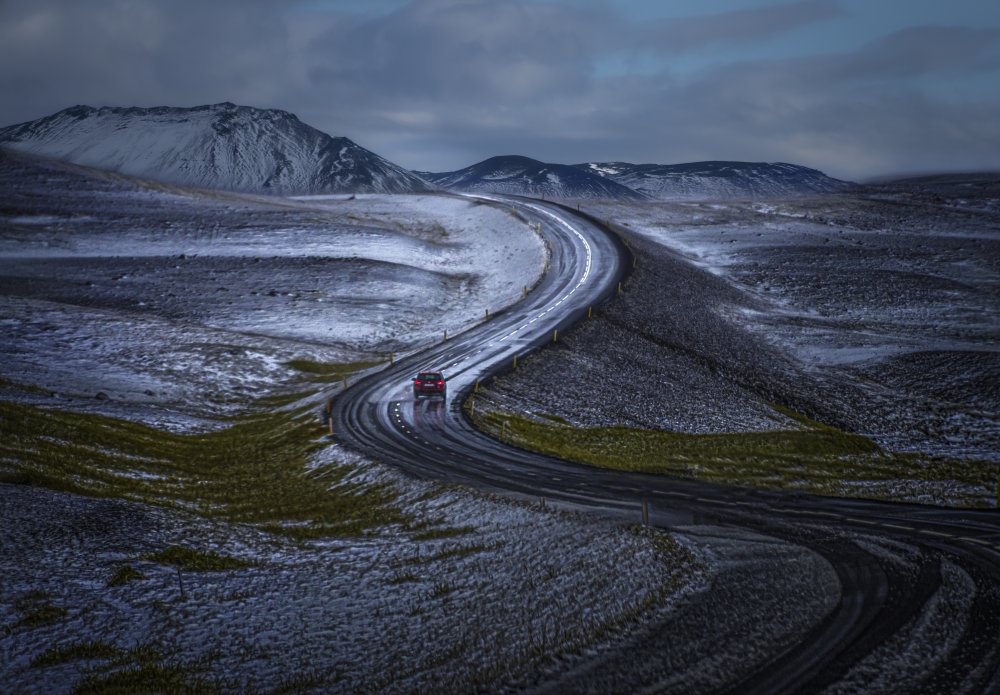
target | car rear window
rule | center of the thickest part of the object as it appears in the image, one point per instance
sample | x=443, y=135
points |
x=429, y=376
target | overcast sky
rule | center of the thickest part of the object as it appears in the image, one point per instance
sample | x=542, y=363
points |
x=857, y=88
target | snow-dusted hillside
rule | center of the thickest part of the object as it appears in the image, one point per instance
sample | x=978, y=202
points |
x=717, y=180
x=222, y=146
x=525, y=176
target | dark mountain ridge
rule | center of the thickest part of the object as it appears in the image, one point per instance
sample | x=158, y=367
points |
x=220, y=146
x=718, y=179
x=517, y=175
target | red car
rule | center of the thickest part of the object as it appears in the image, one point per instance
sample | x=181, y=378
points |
x=429, y=384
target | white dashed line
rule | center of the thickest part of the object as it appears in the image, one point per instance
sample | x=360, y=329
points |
x=810, y=512
x=974, y=540
x=899, y=526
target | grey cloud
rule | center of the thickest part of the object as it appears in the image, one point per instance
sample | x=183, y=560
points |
x=462, y=49
x=754, y=24
x=439, y=84
x=54, y=54
x=927, y=50
x=837, y=113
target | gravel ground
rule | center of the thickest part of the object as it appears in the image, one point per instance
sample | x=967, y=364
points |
x=522, y=596
x=179, y=308
x=875, y=312
x=166, y=305
x=760, y=597
x=380, y=614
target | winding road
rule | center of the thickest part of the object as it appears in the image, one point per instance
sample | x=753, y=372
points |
x=881, y=603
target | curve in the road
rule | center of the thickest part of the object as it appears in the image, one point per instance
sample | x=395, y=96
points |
x=379, y=417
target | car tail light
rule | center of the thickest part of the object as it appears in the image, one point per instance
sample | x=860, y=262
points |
x=441, y=382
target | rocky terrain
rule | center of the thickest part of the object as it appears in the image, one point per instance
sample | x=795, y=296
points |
x=173, y=518
x=517, y=175
x=718, y=180
x=624, y=181
x=126, y=304
x=874, y=312
x=96, y=279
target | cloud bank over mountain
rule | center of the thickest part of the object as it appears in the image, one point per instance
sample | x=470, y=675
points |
x=849, y=87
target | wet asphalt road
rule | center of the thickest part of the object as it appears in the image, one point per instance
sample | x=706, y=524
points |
x=432, y=439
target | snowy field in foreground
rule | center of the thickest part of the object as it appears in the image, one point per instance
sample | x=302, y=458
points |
x=176, y=308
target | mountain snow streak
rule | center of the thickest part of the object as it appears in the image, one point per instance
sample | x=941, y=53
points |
x=623, y=181
x=525, y=176
x=717, y=180
x=240, y=148
x=222, y=146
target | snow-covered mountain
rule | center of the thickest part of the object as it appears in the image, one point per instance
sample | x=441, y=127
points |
x=525, y=176
x=717, y=180
x=221, y=146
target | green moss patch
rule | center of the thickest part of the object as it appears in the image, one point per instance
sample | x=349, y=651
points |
x=195, y=560
x=112, y=670
x=36, y=610
x=83, y=651
x=323, y=372
x=124, y=575
x=254, y=471
x=816, y=458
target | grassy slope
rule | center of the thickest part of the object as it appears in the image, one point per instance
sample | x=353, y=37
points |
x=817, y=458
x=256, y=470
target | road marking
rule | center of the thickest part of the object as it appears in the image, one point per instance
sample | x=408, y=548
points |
x=861, y=521
x=898, y=526
x=974, y=540
x=814, y=513
x=935, y=533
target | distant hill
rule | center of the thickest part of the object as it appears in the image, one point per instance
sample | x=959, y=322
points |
x=717, y=180
x=978, y=191
x=221, y=146
x=524, y=176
